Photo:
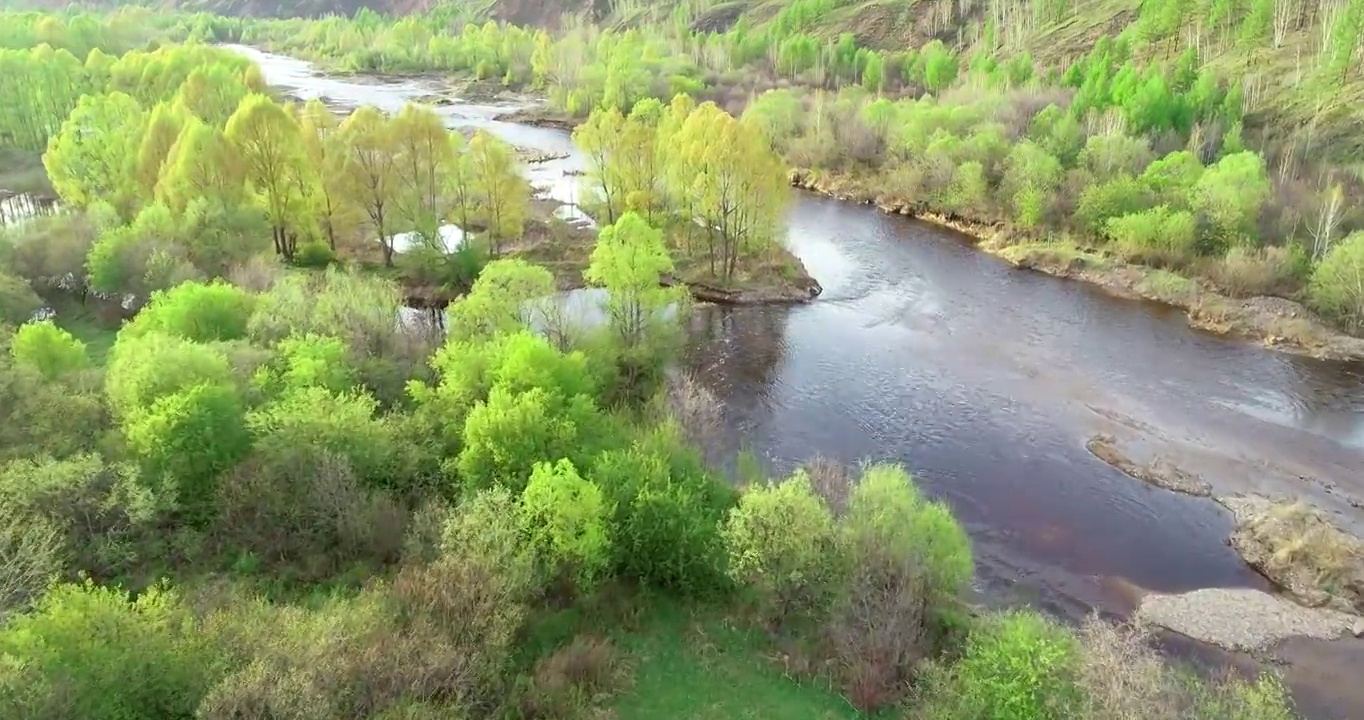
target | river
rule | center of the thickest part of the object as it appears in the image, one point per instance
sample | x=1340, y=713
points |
x=986, y=382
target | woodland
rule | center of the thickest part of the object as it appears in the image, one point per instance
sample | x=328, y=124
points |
x=233, y=484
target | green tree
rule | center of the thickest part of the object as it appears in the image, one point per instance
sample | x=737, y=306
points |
x=426, y=160
x=94, y=157
x=503, y=194
x=1337, y=287
x=268, y=143
x=781, y=547
x=1230, y=194
x=202, y=165
x=371, y=170
x=726, y=175
x=164, y=125
x=323, y=151
x=631, y=261
x=201, y=312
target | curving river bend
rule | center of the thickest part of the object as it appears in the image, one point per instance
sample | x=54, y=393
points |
x=986, y=381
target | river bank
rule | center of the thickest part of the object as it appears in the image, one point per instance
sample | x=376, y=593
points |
x=987, y=382
x=1276, y=322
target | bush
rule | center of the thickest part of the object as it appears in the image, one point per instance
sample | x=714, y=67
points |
x=306, y=516
x=196, y=311
x=780, y=541
x=1121, y=677
x=1337, y=288
x=87, y=652
x=907, y=562
x=315, y=255
x=666, y=528
x=565, y=518
x=1017, y=666
x=32, y=556
x=1245, y=271
x=565, y=683
x=50, y=350
x=1160, y=237
x=440, y=633
x=18, y=302
x=99, y=511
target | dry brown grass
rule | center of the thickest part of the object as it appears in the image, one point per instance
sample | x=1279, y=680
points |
x=1297, y=548
x=1121, y=676
x=699, y=412
x=565, y=684
x=1244, y=271
x=831, y=481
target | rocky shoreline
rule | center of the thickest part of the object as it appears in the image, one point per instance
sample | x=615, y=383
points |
x=1278, y=323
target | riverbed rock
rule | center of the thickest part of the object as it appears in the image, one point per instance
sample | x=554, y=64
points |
x=1159, y=472
x=1358, y=629
x=1242, y=619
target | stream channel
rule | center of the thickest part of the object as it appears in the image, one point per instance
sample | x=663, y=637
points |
x=986, y=381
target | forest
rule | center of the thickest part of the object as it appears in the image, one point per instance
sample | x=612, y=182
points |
x=234, y=485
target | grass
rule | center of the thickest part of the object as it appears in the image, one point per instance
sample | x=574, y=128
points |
x=1167, y=286
x=82, y=322
x=1302, y=551
x=1051, y=255
x=695, y=665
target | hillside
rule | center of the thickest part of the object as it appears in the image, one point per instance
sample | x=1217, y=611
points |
x=1298, y=60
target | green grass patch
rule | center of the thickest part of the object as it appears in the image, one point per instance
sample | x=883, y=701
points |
x=693, y=664
x=83, y=322
x=1167, y=286
x=1053, y=254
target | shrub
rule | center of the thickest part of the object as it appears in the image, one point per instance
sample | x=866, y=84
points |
x=48, y=349
x=99, y=510
x=906, y=560
x=506, y=435
x=18, y=302
x=1112, y=199
x=666, y=528
x=196, y=311
x=32, y=556
x=1122, y=677
x=487, y=528
x=780, y=542
x=87, y=652
x=1245, y=271
x=565, y=683
x=306, y=515
x=1017, y=666
x=565, y=518
x=1337, y=288
x=1159, y=236
x=314, y=255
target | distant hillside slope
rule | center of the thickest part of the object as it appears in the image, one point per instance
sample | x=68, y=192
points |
x=1300, y=62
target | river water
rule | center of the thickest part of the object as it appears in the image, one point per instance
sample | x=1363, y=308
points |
x=986, y=382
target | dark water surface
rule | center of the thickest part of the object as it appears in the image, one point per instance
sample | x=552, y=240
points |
x=986, y=381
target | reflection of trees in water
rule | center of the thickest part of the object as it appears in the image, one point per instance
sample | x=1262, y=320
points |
x=736, y=354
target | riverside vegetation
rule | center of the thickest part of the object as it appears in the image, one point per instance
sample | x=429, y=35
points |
x=264, y=497
x=1180, y=142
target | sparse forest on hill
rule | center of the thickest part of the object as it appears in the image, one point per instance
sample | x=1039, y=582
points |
x=233, y=485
